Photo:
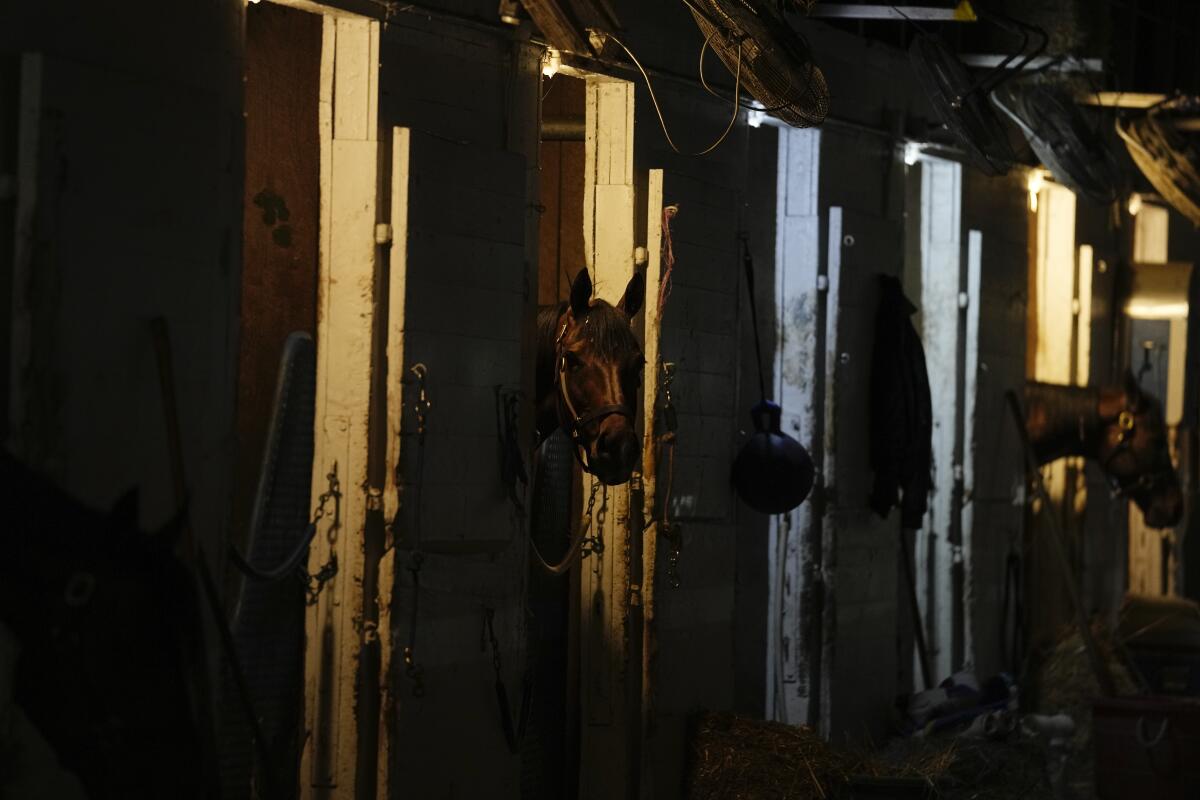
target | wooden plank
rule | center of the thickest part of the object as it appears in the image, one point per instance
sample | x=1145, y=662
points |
x=279, y=253
x=974, y=590
x=394, y=344
x=397, y=322
x=354, y=80
x=554, y=22
x=345, y=309
x=652, y=323
x=609, y=244
x=1120, y=99
x=829, y=469
x=941, y=253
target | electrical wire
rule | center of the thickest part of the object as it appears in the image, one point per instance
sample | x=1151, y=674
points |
x=738, y=100
x=737, y=85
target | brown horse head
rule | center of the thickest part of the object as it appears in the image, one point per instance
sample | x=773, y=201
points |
x=1134, y=453
x=1119, y=426
x=590, y=368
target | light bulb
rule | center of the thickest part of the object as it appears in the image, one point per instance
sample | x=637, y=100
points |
x=755, y=116
x=1135, y=204
x=1035, y=183
x=912, y=153
x=551, y=61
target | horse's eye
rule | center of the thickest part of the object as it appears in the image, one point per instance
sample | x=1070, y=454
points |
x=574, y=362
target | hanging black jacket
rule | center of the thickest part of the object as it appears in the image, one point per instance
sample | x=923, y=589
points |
x=901, y=418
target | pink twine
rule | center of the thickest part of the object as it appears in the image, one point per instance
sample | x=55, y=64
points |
x=668, y=257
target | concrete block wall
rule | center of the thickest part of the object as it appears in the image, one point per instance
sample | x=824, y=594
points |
x=469, y=95
x=998, y=208
x=702, y=330
x=861, y=177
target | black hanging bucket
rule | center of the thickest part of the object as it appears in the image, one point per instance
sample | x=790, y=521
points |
x=773, y=473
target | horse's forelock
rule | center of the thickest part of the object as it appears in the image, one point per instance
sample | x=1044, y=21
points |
x=610, y=334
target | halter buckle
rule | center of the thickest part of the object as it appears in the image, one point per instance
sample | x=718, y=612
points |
x=1125, y=421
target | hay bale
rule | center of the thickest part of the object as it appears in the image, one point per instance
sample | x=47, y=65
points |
x=1065, y=684
x=974, y=769
x=736, y=758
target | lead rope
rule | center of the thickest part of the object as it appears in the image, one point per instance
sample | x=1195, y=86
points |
x=668, y=423
x=513, y=733
x=413, y=668
x=577, y=542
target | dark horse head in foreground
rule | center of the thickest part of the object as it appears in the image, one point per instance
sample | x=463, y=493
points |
x=1122, y=428
x=108, y=660
x=589, y=368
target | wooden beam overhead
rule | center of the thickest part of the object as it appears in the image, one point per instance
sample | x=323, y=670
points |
x=1120, y=99
x=553, y=21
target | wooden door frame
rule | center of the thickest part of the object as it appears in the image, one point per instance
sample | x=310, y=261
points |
x=344, y=442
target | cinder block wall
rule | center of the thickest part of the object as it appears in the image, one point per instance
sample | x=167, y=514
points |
x=469, y=95
x=861, y=174
x=998, y=208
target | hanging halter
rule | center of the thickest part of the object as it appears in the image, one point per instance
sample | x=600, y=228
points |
x=570, y=419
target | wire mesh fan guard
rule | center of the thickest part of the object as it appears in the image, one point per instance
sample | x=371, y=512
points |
x=776, y=64
x=1165, y=155
x=1061, y=137
x=965, y=111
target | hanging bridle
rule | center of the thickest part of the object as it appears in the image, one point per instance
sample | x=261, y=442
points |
x=1126, y=422
x=571, y=420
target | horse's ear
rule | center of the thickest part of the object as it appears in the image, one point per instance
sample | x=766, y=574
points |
x=1133, y=390
x=581, y=293
x=635, y=293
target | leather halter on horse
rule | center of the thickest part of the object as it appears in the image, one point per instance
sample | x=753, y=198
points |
x=1126, y=423
x=571, y=420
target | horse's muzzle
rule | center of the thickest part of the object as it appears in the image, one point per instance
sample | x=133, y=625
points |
x=1162, y=512
x=614, y=455
x=1162, y=509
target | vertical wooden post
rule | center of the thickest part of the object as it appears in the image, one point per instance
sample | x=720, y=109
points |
x=346, y=303
x=652, y=322
x=604, y=578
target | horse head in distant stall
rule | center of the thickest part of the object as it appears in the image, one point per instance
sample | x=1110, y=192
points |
x=1122, y=428
x=589, y=368
x=109, y=664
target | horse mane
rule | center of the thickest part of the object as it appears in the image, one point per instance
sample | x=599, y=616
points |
x=607, y=329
